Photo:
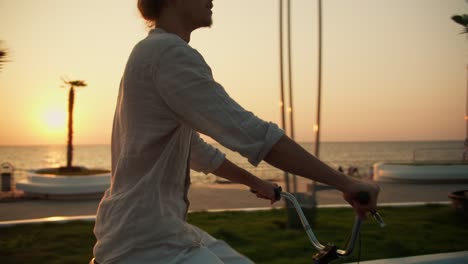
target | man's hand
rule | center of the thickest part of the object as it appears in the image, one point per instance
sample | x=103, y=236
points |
x=350, y=195
x=234, y=173
x=265, y=190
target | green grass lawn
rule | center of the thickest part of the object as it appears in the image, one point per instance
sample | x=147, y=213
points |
x=262, y=235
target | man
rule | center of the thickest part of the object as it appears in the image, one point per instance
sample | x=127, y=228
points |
x=167, y=95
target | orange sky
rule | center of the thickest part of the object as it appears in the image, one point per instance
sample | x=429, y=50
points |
x=393, y=69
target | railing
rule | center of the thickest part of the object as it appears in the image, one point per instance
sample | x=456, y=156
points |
x=268, y=172
x=438, y=154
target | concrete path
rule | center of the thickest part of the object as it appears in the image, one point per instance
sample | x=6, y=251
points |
x=460, y=257
x=234, y=196
x=227, y=196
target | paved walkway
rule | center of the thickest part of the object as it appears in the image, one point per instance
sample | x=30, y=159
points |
x=460, y=257
x=227, y=196
x=232, y=196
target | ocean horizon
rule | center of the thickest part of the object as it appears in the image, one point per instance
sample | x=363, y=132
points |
x=215, y=143
x=361, y=155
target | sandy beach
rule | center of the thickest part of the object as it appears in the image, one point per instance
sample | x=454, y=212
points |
x=227, y=196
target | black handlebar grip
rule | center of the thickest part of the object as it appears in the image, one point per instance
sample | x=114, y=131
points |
x=362, y=197
x=278, y=193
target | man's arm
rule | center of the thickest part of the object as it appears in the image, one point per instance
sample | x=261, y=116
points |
x=287, y=155
x=234, y=173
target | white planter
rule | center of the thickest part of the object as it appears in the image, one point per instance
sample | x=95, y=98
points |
x=52, y=184
x=421, y=172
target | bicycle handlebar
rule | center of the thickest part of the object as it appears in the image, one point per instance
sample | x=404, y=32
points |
x=325, y=251
x=313, y=239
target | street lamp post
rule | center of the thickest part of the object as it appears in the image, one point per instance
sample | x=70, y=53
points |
x=319, y=95
x=290, y=85
x=465, y=152
x=319, y=77
x=281, y=104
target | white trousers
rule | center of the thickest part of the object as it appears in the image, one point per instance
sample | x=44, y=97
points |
x=213, y=251
x=216, y=253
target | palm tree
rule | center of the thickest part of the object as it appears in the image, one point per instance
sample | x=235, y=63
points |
x=3, y=54
x=71, y=102
x=462, y=20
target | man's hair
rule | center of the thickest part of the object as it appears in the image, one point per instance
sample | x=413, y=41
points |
x=150, y=10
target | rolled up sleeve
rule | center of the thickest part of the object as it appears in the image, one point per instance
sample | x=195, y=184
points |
x=204, y=157
x=185, y=83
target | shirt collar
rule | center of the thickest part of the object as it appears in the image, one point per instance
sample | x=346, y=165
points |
x=157, y=30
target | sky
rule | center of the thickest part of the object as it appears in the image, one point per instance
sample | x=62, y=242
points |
x=393, y=70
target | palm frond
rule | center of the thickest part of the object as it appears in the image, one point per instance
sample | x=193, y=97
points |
x=2, y=58
x=74, y=83
x=64, y=80
x=461, y=20
x=3, y=55
x=77, y=83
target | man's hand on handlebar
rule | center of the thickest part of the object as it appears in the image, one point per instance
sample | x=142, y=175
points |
x=266, y=190
x=352, y=196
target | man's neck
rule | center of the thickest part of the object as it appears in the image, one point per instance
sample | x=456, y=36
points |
x=171, y=24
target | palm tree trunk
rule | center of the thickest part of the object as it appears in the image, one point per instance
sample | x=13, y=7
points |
x=71, y=101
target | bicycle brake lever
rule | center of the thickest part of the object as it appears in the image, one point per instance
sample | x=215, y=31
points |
x=364, y=198
x=378, y=218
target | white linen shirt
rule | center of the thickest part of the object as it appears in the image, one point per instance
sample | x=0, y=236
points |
x=167, y=95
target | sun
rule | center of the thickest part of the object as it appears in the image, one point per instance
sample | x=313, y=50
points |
x=50, y=124
x=55, y=119
x=53, y=122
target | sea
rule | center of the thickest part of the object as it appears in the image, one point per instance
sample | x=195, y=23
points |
x=360, y=155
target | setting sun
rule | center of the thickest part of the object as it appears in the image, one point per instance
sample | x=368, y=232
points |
x=55, y=119
x=52, y=123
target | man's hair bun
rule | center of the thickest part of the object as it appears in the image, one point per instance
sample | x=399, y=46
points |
x=150, y=9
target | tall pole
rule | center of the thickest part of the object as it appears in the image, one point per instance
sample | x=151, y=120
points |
x=319, y=86
x=319, y=96
x=465, y=152
x=290, y=108
x=283, y=117
x=466, y=110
